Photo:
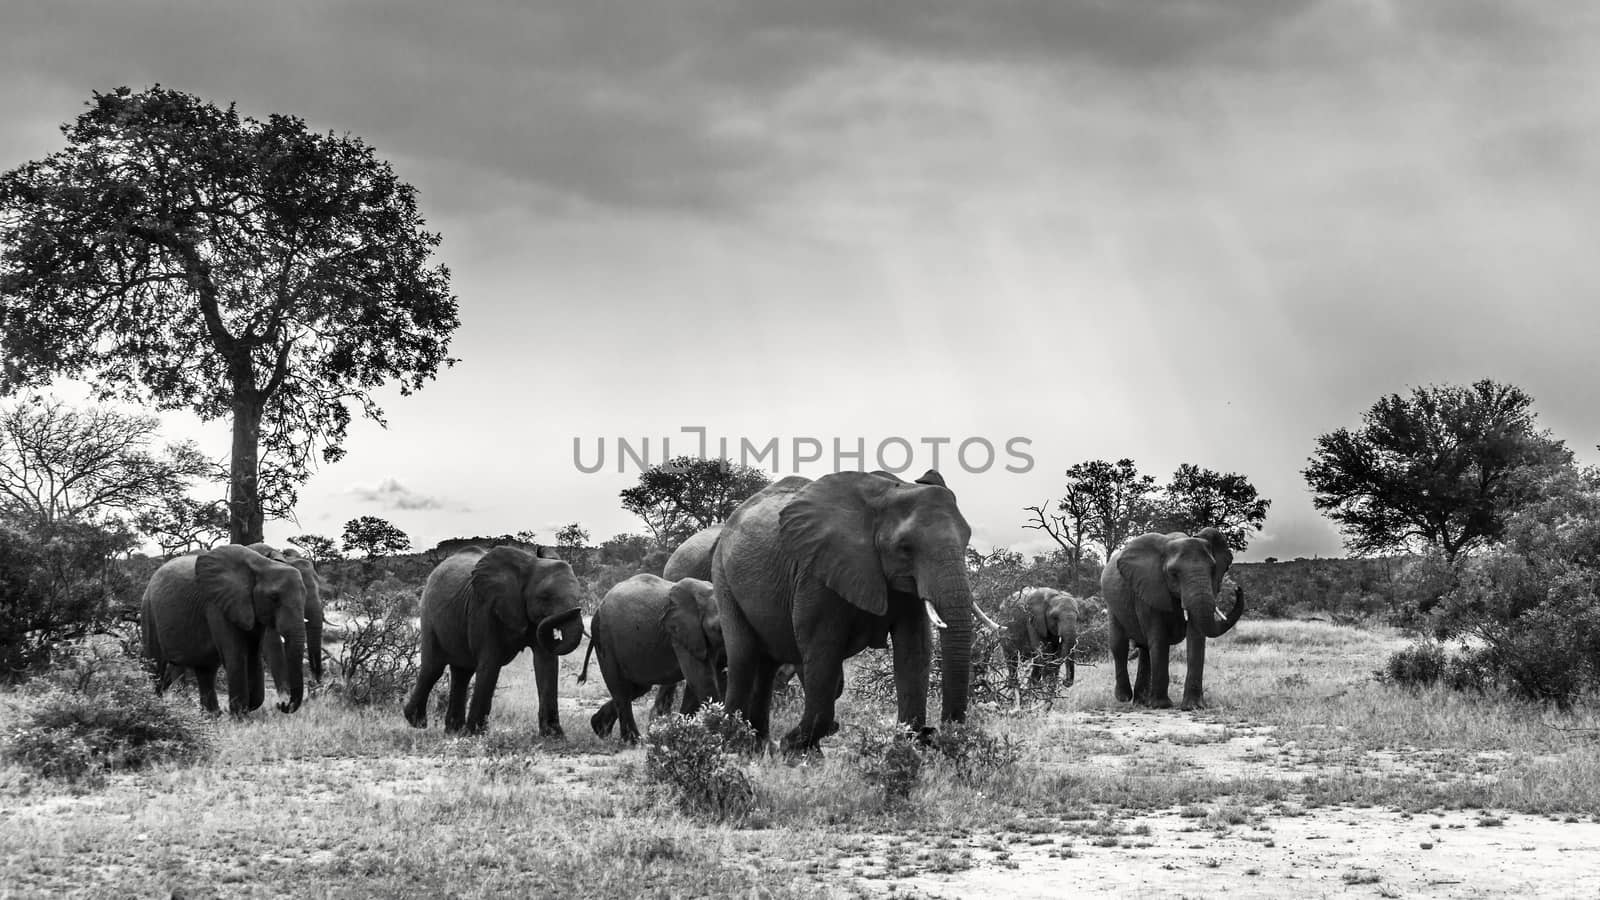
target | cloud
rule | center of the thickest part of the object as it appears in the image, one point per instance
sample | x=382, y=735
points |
x=391, y=494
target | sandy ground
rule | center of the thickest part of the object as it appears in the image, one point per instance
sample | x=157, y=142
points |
x=1303, y=853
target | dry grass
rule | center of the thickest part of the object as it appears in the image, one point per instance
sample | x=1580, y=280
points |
x=353, y=802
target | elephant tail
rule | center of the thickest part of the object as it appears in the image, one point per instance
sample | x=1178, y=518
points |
x=583, y=676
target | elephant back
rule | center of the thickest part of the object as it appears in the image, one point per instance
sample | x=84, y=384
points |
x=692, y=559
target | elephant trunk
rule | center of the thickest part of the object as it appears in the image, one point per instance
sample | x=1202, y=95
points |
x=561, y=633
x=314, y=641
x=1201, y=605
x=952, y=598
x=291, y=626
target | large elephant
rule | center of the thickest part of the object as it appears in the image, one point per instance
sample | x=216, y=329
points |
x=651, y=631
x=272, y=645
x=1040, y=625
x=214, y=608
x=480, y=608
x=692, y=559
x=814, y=572
x=1161, y=589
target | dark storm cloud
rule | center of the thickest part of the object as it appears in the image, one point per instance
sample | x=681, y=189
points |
x=623, y=105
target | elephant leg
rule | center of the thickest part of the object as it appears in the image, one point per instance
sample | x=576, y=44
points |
x=1141, y=681
x=484, y=680
x=1012, y=659
x=546, y=666
x=604, y=718
x=691, y=699
x=824, y=673
x=428, y=672
x=1119, y=660
x=913, y=657
x=1071, y=669
x=235, y=660
x=205, y=682
x=666, y=695
x=257, y=683
x=1193, y=692
x=1156, y=689
x=760, y=717
x=166, y=674
x=628, y=728
x=745, y=660
x=455, y=711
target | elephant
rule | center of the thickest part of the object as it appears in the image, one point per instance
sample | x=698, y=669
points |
x=692, y=559
x=272, y=643
x=814, y=572
x=480, y=608
x=1161, y=589
x=1041, y=624
x=651, y=631
x=216, y=608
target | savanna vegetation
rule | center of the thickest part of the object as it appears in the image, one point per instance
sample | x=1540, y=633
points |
x=1451, y=663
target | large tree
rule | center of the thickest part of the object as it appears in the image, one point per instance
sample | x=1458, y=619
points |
x=687, y=493
x=1199, y=498
x=187, y=257
x=1442, y=467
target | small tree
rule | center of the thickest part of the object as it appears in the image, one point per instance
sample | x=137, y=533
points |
x=373, y=537
x=624, y=549
x=1441, y=468
x=186, y=257
x=686, y=494
x=1113, y=498
x=318, y=547
x=1199, y=498
x=572, y=542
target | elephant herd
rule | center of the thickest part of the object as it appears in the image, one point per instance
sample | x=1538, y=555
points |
x=801, y=576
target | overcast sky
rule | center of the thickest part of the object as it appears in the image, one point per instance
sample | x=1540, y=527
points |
x=1188, y=231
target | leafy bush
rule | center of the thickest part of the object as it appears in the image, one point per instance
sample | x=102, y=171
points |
x=886, y=756
x=972, y=754
x=97, y=712
x=58, y=582
x=696, y=758
x=377, y=656
x=1418, y=665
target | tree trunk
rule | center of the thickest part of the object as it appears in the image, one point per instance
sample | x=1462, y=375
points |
x=245, y=517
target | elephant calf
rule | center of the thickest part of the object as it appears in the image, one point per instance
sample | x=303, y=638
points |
x=651, y=631
x=480, y=608
x=1041, y=625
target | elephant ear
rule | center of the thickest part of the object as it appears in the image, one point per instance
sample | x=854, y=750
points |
x=1221, y=554
x=932, y=476
x=1141, y=563
x=682, y=620
x=497, y=580
x=829, y=531
x=228, y=581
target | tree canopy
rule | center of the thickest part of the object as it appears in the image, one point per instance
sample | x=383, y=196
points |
x=183, y=256
x=1106, y=503
x=1442, y=467
x=373, y=537
x=1199, y=498
x=687, y=493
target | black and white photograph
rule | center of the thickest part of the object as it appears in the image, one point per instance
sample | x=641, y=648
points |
x=842, y=449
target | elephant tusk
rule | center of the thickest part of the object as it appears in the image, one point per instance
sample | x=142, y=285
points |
x=989, y=623
x=933, y=614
